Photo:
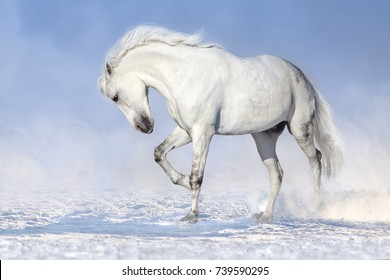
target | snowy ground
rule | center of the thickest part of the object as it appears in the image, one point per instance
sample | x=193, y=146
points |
x=117, y=224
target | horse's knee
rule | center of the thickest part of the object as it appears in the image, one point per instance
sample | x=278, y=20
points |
x=195, y=181
x=158, y=154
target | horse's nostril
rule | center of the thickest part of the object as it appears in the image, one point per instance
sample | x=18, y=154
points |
x=145, y=128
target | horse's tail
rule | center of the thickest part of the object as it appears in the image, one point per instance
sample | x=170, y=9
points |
x=326, y=137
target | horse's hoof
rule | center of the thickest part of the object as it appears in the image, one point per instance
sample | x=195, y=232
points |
x=191, y=218
x=262, y=219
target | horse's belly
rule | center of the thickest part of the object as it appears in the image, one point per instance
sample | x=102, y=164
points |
x=254, y=115
x=239, y=127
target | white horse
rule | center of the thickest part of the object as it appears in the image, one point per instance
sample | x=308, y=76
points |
x=209, y=91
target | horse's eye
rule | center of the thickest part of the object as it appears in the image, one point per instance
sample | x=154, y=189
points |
x=115, y=98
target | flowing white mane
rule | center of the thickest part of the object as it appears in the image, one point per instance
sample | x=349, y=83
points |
x=146, y=35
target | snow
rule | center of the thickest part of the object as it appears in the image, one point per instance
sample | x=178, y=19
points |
x=144, y=224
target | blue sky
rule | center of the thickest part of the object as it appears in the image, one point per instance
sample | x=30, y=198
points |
x=51, y=54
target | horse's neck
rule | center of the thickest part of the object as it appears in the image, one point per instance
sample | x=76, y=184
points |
x=157, y=65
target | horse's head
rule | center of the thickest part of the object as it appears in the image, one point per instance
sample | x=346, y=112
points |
x=131, y=95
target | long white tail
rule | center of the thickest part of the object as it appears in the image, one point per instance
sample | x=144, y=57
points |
x=326, y=137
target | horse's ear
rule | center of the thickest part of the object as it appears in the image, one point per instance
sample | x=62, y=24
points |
x=109, y=69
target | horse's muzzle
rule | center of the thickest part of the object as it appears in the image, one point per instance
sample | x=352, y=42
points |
x=145, y=125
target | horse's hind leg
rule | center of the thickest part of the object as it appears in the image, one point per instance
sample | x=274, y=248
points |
x=266, y=146
x=176, y=139
x=303, y=134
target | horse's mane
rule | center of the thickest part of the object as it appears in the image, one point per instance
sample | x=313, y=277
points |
x=146, y=35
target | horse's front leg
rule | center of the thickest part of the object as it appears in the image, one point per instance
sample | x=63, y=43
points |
x=201, y=143
x=176, y=139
